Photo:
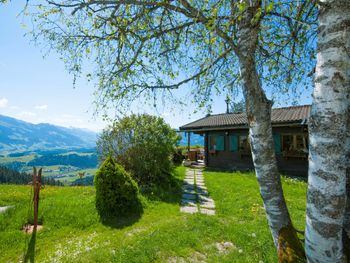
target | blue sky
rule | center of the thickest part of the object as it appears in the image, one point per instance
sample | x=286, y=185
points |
x=37, y=89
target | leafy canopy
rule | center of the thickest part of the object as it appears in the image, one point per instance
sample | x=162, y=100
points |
x=150, y=48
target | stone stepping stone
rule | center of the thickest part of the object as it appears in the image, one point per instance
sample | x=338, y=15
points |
x=203, y=198
x=209, y=205
x=189, y=191
x=189, y=196
x=4, y=208
x=188, y=187
x=209, y=212
x=188, y=182
x=199, y=181
x=200, y=184
x=203, y=192
x=189, y=209
x=187, y=202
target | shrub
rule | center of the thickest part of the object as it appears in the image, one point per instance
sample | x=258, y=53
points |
x=143, y=144
x=116, y=192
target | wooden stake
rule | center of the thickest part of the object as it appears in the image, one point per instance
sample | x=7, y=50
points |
x=36, y=188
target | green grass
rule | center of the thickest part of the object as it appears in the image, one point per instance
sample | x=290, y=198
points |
x=73, y=232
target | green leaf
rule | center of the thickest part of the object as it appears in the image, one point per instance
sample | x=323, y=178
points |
x=242, y=6
x=269, y=7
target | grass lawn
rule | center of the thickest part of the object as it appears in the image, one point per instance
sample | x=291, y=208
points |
x=73, y=233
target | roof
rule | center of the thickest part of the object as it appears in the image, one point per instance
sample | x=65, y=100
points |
x=286, y=115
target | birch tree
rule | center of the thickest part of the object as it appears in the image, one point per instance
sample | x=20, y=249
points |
x=147, y=48
x=329, y=141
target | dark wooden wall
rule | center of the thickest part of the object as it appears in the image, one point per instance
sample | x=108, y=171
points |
x=235, y=161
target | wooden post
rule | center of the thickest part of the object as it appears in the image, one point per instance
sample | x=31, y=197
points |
x=81, y=175
x=36, y=188
x=188, y=144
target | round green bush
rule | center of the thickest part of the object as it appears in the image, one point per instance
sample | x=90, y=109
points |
x=117, y=193
x=143, y=145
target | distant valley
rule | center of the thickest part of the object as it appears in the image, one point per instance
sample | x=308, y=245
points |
x=62, y=152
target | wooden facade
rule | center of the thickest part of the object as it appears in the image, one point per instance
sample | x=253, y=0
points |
x=227, y=146
x=289, y=162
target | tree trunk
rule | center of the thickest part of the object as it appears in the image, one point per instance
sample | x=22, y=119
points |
x=346, y=224
x=328, y=128
x=258, y=109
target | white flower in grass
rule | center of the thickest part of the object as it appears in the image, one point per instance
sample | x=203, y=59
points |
x=253, y=235
x=240, y=251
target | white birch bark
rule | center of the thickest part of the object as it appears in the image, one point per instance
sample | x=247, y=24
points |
x=327, y=130
x=346, y=224
x=258, y=109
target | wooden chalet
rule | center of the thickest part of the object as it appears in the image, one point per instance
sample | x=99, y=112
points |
x=226, y=142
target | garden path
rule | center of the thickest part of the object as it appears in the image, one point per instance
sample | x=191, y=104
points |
x=195, y=197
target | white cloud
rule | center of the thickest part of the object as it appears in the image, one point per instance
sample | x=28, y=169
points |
x=26, y=114
x=14, y=108
x=41, y=107
x=3, y=102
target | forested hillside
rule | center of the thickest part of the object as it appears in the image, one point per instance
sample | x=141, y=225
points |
x=9, y=176
x=81, y=161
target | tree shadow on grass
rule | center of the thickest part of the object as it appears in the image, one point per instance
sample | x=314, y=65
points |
x=123, y=216
x=30, y=253
x=121, y=222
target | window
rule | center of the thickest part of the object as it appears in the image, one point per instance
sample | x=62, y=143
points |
x=294, y=142
x=243, y=143
x=287, y=142
x=212, y=142
x=216, y=142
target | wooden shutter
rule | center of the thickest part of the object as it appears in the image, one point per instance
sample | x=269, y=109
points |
x=277, y=142
x=233, y=143
x=220, y=143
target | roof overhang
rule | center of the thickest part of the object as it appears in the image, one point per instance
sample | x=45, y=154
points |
x=239, y=127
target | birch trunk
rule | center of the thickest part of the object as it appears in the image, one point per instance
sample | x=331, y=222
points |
x=258, y=109
x=328, y=128
x=346, y=224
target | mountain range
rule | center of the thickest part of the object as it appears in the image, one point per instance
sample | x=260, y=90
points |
x=20, y=136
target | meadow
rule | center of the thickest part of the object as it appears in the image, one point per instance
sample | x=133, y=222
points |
x=73, y=231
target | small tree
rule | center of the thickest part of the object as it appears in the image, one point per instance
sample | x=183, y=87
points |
x=143, y=144
x=116, y=192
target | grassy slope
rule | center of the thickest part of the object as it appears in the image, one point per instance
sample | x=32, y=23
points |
x=73, y=232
